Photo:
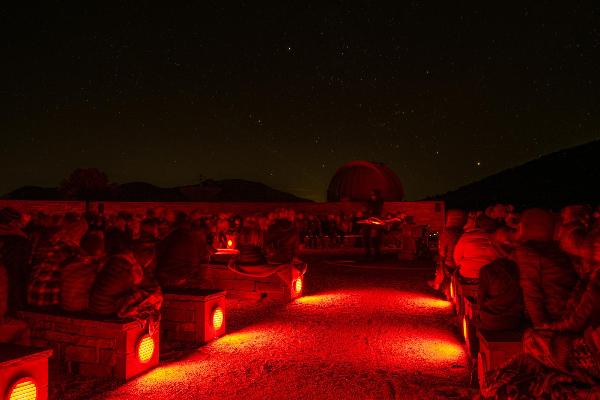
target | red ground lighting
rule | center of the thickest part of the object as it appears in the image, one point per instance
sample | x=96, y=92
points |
x=298, y=286
x=145, y=349
x=23, y=389
x=217, y=318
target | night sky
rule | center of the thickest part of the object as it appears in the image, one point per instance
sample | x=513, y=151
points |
x=286, y=93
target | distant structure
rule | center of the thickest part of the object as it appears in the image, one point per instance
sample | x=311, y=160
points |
x=355, y=181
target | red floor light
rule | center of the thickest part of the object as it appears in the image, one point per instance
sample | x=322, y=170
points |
x=217, y=318
x=23, y=389
x=145, y=348
x=229, y=244
x=465, y=329
x=298, y=286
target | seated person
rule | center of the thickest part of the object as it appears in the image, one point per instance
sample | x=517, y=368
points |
x=117, y=280
x=45, y=281
x=180, y=255
x=15, y=250
x=546, y=275
x=282, y=243
x=475, y=248
x=499, y=296
x=144, y=247
x=79, y=273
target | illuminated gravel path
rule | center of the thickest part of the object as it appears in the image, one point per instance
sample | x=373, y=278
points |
x=359, y=333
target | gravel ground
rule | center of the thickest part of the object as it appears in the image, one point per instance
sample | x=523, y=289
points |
x=360, y=332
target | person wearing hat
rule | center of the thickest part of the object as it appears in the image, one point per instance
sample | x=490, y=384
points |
x=15, y=251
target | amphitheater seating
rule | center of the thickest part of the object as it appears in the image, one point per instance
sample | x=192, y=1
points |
x=193, y=315
x=495, y=348
x=96, y=347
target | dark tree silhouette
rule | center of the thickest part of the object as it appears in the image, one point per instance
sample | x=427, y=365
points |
x=86, y=184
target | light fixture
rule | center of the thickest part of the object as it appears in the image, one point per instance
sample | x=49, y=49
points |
x=23, y=389
x=145, y=348
x=298, y=286
x=217, y=318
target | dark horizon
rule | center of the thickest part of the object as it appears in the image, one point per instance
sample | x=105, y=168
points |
x=285, y=95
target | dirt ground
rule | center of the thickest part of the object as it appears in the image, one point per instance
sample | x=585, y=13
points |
x=360, y=332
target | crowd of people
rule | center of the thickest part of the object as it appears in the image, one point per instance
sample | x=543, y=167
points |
x=118, y=265
x=539, y=272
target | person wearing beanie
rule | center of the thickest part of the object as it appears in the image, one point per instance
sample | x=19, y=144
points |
x=547, y=276
x=15, y=252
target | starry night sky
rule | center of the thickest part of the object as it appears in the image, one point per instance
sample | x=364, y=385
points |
x=286, y=93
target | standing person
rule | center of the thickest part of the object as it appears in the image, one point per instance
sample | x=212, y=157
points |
x=371, y=232
x=455, y=220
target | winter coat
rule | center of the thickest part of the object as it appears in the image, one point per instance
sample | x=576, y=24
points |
x=571, y=239
x=177, y=256
x=3, y=293
x=547, y=279
x=473, y=250
x=144, y=251
x=15, y=251
x=499, y=296
x=282, y=242
x=446, y=244
x=77, y=278
x=116, y=281
x=586, y=311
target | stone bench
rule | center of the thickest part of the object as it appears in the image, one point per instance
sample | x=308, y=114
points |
x=461, y=291
x=284, y=285
x=24, y=372
x=471, y=312
x=92, y=346
x=495, y=348
x=193, y=315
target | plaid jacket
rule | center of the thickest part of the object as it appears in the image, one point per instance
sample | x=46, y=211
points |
x=44, y=286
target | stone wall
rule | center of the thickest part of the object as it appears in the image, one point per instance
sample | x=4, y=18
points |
x=424, y=212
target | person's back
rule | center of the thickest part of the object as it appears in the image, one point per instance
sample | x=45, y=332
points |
x=499, y=296
x=118, y=278
x=78, y=276
x=282, y=242
x=473, y=250
x=177, y=255
x=546, y=275
x=446, y=244
x=15, y=251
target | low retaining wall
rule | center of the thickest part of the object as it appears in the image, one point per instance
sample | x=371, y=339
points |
x=423, y=212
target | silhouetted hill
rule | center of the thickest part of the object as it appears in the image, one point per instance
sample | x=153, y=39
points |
x=228, y=190
x=566, y=177
x=34, y=193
